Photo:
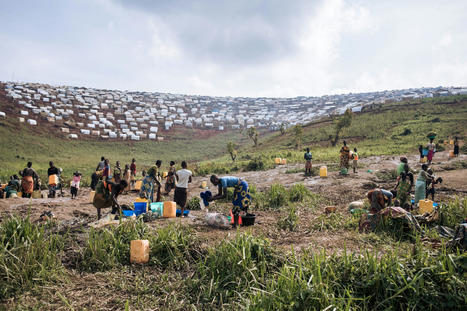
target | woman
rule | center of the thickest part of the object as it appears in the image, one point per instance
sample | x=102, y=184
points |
x=170, y=180
x=241, y=198
x=345, y=151
x=147, y=186
x=107, y=193
x=403, y=186
x=14, y=186
x=127, y=177
x=431, y=151
x=456, y=147
x=117, y=172
x=106, y=172
x=29, y=178
x=420, y=184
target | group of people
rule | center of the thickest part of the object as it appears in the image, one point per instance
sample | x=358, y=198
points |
x=345, y=156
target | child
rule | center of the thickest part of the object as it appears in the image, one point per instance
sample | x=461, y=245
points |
x=75, y=184
x=355, y=160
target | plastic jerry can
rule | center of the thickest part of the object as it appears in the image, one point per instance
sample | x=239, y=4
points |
x=53, y=179
x=139, y=251
x=423, y=160
x=36, y=194
x=157, y=208
x=164, y=174
x=323, y=171
x=170, y=209
x=277, y=160
x=451, y=153
x=283, y=161
x=425, y=206
x=204, y=184
x=91, y=196
x=451, y=142
x=138, y=184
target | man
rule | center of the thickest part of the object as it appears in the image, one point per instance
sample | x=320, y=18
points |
x=107, y=193
x=308, y=157
x=53, y=185
x=29, y=179
x=241, y=199
x=184, y=176
x=101, y=164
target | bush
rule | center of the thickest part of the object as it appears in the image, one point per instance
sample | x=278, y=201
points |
x=28, y=256
x=277, y=196
x=290, y=221
x=298, y=193
x=259, y=164
x=406, y=132
x=193, y=204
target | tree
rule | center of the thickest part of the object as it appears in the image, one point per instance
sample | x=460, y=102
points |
x=283, y=128
x=298, y=135
x=253, y=134
x=232, y=149
x=341, y=122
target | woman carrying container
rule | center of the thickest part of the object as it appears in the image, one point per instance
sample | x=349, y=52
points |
x=420, y=184
x=431, y=150
x=241, y=196
x=29, y=179
x=53, y=173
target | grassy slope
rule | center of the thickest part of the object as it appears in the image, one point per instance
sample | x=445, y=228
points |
x=373, y=133
x=20, y=144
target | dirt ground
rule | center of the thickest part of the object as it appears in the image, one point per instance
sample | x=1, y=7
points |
x=337, y=189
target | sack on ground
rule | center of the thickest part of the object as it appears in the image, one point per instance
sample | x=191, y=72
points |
x=217, y=220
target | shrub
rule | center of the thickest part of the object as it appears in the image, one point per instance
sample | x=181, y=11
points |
x=277, y=196
x=406, y=132
x=194, y=204
x=298, y=193
x=290, y=221
x=28, y=256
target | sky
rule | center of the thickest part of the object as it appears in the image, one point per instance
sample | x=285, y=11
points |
x=254, y=48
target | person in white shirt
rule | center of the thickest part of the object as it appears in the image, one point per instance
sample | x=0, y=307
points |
x=181, y=190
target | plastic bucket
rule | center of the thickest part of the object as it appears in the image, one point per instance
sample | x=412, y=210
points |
x=248, y=219
x=179, y=213
x=128, y=213
x=140, y=208
x=157, y=208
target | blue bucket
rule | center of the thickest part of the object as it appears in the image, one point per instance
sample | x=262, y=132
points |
x=179, y=212
x=128, y=213
x=140, y=208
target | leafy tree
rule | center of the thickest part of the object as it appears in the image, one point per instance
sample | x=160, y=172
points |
x=283, y=128
x=341, y=122
x=253, y=134
x=298, y=135
x=232, y=149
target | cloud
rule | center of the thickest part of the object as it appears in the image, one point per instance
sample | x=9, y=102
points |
x=239, y=48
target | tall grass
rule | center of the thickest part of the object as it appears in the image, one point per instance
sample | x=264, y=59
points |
x=28, y=256
x=278, y=196
x=452, y=213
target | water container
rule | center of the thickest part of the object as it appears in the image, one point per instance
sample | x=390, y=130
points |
x=277, y=160
x=140, y=207
x=53, y=180
x=139, y=251
x=283, y=161
x=451, y=142
x=425, y=206
x=179, y=213
x=141, y=200
x=91, y=196
x=157, y=208
x=423, y=160
x=138, y=184
x=204, y=184
x=323, y=171
x=170, y=209
x=36, y=194
x=128, y=213
x=451, y=153
x=164, y=174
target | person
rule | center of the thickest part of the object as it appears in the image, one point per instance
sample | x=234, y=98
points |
x=127, y=177
x=101, y=164
x=354, y=160
x=403, y=186
x=133, y=172
x=170, y=179
x=107, y=193
x=13, y=187
x=430, y=184
x=147, y=185
x=29, y=179
x=241, y=197
x=378, y=200
x=106, y=172
x=431, y=150
x=308, y=165
x=402, y=164
x=75, y=184
x=420, y=150
x=456, y=147
x=117, y=172
x=420, y=184
x=183, y=176
x=95, y=177
x=53, y=186
x=158, y=179
x=344, y=156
